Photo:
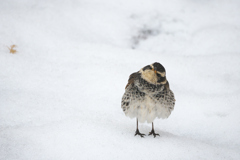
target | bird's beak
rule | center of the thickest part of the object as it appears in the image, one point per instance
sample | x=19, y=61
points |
x=155, y=71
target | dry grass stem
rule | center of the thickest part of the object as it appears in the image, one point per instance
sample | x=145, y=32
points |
x=13, y=51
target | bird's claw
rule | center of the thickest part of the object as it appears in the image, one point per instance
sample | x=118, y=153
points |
x=140, y=134
x=153, y=133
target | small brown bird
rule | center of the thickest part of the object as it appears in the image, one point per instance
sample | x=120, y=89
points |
x=147, y=96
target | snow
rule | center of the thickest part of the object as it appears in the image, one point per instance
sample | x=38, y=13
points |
x=61, y=92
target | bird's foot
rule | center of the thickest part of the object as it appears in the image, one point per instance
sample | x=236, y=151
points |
x=153, y=133
x=138, y=133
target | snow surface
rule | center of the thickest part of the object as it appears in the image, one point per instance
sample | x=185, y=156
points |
x=60, y=94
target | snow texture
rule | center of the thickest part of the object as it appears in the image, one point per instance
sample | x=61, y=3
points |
x=60, y=93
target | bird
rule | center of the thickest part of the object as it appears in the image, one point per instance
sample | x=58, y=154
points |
x=148, y=96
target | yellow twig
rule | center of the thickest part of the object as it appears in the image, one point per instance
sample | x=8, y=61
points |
x=13, y=51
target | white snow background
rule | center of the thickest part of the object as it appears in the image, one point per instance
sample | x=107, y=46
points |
x=60, y=94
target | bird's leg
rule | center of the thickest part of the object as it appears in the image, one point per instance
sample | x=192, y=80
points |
x=137, y=131
x=153, y=132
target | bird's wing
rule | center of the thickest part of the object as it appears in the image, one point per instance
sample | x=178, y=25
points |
x=132, y=78
x=131, y=95
x=166, y=98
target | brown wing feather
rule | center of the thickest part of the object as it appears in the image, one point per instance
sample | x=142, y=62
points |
x=131, y=79
x=167, y=86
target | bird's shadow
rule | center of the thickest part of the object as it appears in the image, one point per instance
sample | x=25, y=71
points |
x=146, y=129
x=129, y=131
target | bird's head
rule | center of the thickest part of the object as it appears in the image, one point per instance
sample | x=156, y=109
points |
x=154, y=73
